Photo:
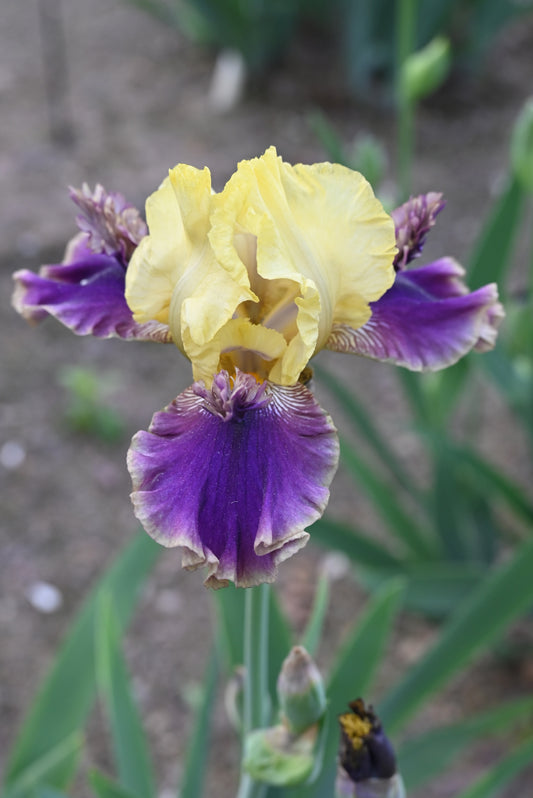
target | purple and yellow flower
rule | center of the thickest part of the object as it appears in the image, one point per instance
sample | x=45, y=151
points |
x=250, y=283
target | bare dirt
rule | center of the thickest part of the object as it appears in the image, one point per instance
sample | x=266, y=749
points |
x=137, y=104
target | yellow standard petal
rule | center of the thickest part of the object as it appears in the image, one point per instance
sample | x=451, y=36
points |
x=323, y=250
x=173, y=275
x=256, y=276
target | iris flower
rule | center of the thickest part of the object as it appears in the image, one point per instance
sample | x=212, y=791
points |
x=250, y=283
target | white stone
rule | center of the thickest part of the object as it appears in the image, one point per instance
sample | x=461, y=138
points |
x=12, y=455
x=227, y=82
x=44, y=597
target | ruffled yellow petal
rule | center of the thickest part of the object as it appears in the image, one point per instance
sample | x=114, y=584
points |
x=319, y=227
x=239, y=343
x=174, y=276
x=257, y=276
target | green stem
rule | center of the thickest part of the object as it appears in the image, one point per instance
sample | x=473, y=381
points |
x=256, y=699
x=530, y=286
x=405, y=43
x=530, y=350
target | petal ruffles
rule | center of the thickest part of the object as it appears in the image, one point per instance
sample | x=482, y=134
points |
x=324, y=248
x=289, y=249
x=233, y=475
x=85, y=293
x=426, y=321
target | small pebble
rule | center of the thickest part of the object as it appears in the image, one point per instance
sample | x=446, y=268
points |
x=44, y=597
x=168, y=602
x=12, y=455
x=227, y=83
x=336, y=566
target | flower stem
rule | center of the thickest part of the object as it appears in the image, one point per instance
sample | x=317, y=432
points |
x=405, y=43
x=256, y=699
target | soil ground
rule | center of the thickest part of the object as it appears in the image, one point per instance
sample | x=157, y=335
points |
x=137, y=101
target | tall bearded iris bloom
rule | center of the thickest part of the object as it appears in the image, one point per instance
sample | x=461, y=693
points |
x=250, y=283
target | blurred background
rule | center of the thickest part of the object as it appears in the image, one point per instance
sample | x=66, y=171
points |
x=117, y=92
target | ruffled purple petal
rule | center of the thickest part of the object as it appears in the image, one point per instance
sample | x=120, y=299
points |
x=112, y=225
x=233, y=475
x=412, y=222
x=426, y=321
x=85, y=293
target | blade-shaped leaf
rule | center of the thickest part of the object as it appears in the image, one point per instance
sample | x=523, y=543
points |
x=449, y=518
x=501, y=598
x=364, y=425
x=446, y=388
x=415, y=392
x=434, y=589
x=313, y=630
x=132, y=759
x=43, y=768
x=71, y=682
x=423, y=757
x=401, y=523
x=463, y=512
x=499, y=776
x=490, y=259
x=195, y=762
x=514, y=385
x=359, y=548
x=493, y=482
x=359, y=657
x=104, y=787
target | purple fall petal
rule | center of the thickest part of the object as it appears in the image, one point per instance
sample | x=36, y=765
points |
x=233, y=475
x=86, y=294
x=426, y=321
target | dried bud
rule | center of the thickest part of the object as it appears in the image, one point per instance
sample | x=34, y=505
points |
x=413, y=220
x=112, y=225
x=366, y=757
x=301, y=693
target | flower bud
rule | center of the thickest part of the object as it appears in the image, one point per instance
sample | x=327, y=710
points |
x=367, y=763
x=276, y=757
x=424, y=71
x=301, y=693
x=522, y=146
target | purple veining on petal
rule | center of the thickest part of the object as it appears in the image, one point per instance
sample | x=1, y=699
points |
x=234, y=478
x=413, y=220
x=426, y=321
x=113, y=226
x=86, y=294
